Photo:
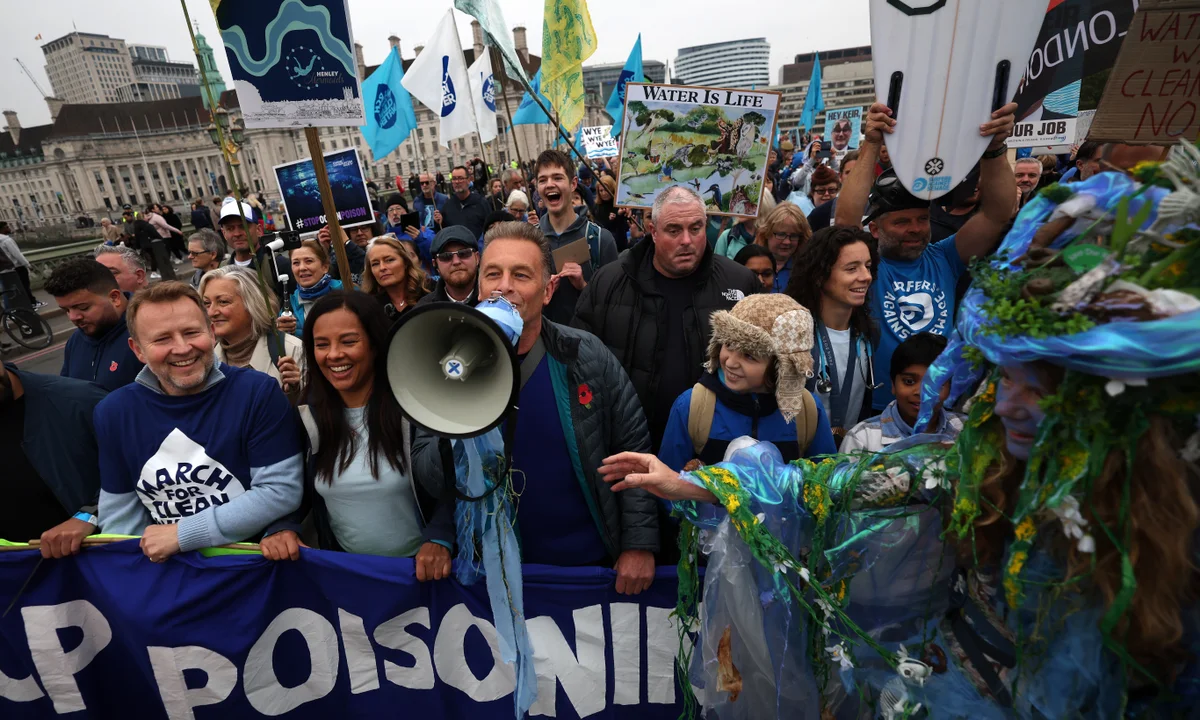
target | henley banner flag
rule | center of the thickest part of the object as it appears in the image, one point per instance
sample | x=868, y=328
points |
x=108, y=634
x=297, y=183
x=292, y=62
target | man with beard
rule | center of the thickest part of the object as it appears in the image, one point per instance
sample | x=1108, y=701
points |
x=193, y=454
x=239, y=231
x=50, y=480
x=914, y=285
x=1028, y=171
x=457, y=257
x=563, y=225
x=99, y=352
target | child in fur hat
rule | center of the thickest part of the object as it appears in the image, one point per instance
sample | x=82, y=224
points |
x=759, y=359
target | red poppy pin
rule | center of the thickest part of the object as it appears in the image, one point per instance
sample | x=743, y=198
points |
x=585, y=396
x=113, y=367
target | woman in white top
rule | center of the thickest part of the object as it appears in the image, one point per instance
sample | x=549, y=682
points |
x=243, y=321
x=359, y=486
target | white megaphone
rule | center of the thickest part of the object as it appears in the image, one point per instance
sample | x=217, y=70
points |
x=453, y=368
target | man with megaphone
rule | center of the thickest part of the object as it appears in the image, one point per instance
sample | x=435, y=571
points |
x=576, y=406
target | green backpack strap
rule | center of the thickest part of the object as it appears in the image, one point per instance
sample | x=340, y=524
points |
x=593, y=240
x=700, y=416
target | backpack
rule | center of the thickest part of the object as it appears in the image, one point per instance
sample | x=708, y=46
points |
x=704, y=404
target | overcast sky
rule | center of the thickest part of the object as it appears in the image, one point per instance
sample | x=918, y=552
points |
x=791, y=26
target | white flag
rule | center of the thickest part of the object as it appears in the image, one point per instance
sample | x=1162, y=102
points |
x=483, y=95
x=438, y=78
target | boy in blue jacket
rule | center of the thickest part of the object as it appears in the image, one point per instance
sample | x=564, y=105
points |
x=759, y=358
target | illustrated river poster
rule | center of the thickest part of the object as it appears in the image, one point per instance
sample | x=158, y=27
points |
x=292, y=62
x=714, y=140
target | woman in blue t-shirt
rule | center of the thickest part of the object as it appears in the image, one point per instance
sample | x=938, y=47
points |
x=359, y=485
x=758, y=358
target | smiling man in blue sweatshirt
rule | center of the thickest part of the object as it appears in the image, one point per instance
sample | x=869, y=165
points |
x=192, y=454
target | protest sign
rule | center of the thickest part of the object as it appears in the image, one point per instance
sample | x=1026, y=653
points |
x=843, y=127
x=1078, y=44
x=297, y=183
x=714, y=140
x=598, y=142
x=1152, y=94
x=292, y=62
x=109, y=634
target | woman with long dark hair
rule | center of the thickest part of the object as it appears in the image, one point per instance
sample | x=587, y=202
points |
x=834, y=271
x=360, y=486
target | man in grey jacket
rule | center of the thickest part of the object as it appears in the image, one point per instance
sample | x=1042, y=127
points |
x=562, y=226
x=576, y=406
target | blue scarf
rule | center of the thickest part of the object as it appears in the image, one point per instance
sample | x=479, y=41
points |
x=316, y=291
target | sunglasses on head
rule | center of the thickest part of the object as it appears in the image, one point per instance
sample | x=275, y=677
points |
x=449, y=255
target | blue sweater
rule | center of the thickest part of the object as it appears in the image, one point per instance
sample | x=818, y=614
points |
x=107, y=361
x=736, y=415
x=222, y=463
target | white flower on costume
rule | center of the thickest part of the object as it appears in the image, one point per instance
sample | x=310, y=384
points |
x=1115, y=387
x=1074, y=524
x=934, y=475
x=838, y=654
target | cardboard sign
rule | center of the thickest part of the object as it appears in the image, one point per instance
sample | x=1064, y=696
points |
x=1153, y=94
x=577, y=252
x=714, y=140
x=598, y=142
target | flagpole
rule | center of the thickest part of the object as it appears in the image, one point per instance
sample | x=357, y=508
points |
x=507, y=108
x=272, y=338
x=470, y=91
x=533, y=94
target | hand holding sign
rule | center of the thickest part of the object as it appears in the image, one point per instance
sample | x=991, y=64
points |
x=160, y=542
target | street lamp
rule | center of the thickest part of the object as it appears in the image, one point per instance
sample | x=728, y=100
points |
x=235, y=136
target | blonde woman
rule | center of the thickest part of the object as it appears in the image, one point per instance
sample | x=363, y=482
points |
x=783, y=232
x=394, y=276
x=242, y=320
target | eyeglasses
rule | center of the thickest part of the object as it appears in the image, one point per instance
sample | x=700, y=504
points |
x=426, y=182
x=197, y=253
x=764, y=274
x=827, y=190
x=796, y=237
x=449, y=255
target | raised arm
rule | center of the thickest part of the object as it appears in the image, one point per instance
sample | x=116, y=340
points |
x=854, y=194
x=997, y=189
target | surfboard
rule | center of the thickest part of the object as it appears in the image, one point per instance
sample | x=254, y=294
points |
x=943, y=66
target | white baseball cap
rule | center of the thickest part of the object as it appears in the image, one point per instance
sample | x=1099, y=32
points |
x=229, y=209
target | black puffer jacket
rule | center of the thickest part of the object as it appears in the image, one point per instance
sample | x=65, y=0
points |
x=611, y=421
x=622, y=307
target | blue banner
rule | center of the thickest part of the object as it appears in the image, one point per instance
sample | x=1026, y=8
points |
x=632, y=71
x=390, y=116
x=108, y=634
x=528, y=112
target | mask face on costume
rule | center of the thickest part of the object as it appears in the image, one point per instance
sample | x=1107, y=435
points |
x=1017, y=397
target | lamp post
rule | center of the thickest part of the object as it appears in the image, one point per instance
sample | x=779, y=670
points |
x=234, y=135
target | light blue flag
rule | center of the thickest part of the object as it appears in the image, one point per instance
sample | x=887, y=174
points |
x=528, y=112
x=390, y=116
x=632, y=71
x=814, y=101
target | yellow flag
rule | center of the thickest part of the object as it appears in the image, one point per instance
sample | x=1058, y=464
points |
x=568, y=39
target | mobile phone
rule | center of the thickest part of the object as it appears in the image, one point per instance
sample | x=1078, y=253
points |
x=410, y=219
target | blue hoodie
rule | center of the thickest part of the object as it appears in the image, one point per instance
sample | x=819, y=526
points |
x=738, y=414
x=107, y=361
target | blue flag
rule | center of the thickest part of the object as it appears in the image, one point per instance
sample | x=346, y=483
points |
x=528, y=112
x=631, y=71
x=390, y=116
x=814, y=102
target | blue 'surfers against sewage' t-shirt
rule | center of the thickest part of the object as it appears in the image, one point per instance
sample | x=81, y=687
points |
x=910, y=297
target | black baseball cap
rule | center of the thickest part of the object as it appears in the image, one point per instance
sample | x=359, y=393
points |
x=454, y=233
x=889, y=195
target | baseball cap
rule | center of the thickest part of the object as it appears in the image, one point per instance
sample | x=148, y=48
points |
x=454, y=233
x=229, y=209
x=889, y=195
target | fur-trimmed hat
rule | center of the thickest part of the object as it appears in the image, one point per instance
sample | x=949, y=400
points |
x=764, y=326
